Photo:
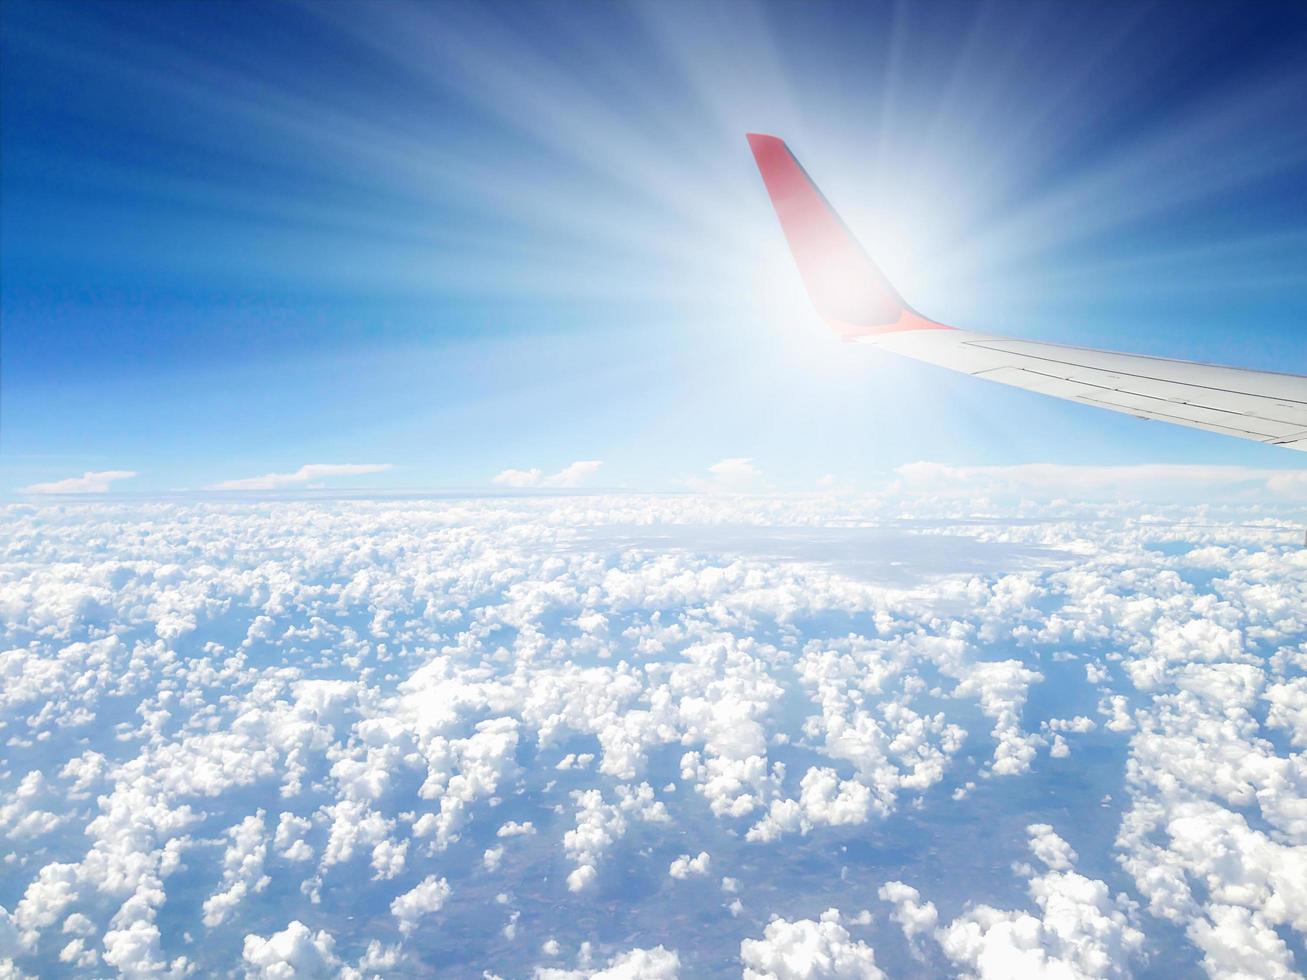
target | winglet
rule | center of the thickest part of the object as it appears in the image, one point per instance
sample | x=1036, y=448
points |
x=848, y=290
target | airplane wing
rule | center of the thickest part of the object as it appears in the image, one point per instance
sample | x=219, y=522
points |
x=854, y=297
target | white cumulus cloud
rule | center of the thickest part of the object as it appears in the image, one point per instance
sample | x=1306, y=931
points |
x=296, y=951
x=808, y=949
x=658, y=963
x=425, y=898
x=687, y=867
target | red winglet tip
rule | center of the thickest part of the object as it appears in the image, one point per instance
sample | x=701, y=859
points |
x=845, y=285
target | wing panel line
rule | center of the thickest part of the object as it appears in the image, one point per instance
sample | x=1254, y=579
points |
x=1295, y=427
x=1145, y=377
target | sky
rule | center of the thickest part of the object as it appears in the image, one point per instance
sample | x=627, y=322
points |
x=425, y=246
x=349, y=626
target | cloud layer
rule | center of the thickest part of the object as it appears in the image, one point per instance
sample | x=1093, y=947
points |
x=230, y=725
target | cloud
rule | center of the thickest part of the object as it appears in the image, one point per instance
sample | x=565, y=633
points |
x=598, y=825
x=686, y=866
x=735, y=468
x=1001, y=687
x=518, y=478
x=1292, y=484
x=1079, y=724
x=736, y=474
x=427, y=897
x=305, y=474
x=1048, y=847
x=829, y=483
x=658, y=963
x=808, y=950
x=1080, y=932
x=573, y=475
x=515, y=829
x=242, y=869
x=289, y=841
x=293, y=952
x=915, y=918
x=330, y=696
x=1166, y=482
x=1237, y=942
x=91, y=481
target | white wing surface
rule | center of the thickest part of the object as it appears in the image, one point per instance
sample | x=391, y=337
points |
x=854, y=297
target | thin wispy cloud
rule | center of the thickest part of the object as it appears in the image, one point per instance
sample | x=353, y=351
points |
x=1147, y=481
x=737, y=470
x=735, y=474
x=306, y=474
x=98, y=481
x=573, y=475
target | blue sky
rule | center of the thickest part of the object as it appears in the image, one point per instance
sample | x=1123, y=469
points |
x=453, y=239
